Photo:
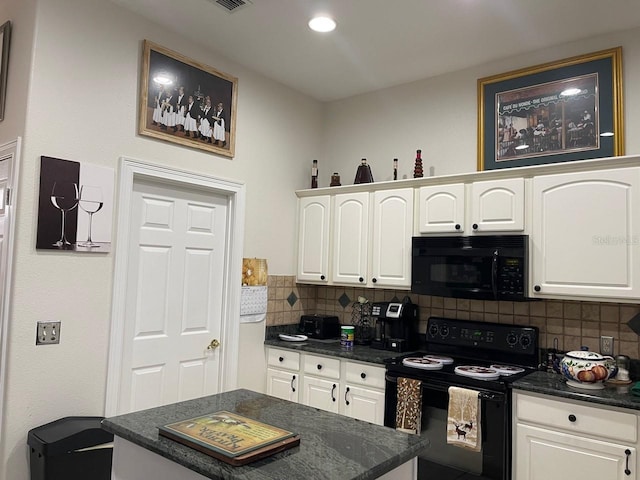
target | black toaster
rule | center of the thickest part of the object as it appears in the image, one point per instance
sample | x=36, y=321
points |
x=321, y=327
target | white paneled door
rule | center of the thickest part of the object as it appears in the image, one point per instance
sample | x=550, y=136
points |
x=174, y=297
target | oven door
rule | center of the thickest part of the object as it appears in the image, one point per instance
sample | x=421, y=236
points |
x=441, y=461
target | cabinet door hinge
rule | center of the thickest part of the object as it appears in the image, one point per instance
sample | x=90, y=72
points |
x=8, y=197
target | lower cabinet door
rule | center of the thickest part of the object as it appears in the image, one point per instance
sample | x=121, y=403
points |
x=543, y=454
x=321, y=393
x=283, y=384
x=364, y=404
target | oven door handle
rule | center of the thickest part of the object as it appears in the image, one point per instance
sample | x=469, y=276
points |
x=483, y=394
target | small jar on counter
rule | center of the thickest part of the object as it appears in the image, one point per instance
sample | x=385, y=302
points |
x=624, y=364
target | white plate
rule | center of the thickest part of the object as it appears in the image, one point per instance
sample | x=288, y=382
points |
x=293, y=338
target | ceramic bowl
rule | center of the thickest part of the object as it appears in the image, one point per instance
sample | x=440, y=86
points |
x=587, y=369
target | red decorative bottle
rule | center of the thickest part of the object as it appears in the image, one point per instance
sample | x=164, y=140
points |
x=417, y=170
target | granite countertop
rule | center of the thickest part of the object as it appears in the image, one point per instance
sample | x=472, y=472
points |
x=555, y=385
x=361, y=353
x=331, y=446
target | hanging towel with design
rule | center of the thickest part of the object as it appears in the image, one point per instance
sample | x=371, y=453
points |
x=463, y=419
x=409, y=409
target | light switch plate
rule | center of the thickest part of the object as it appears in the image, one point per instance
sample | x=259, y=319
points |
x=48, y=333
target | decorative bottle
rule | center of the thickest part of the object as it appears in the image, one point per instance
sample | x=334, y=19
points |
x=395, y=168
x=364, y=175
x=417, y=170
x=314, y=174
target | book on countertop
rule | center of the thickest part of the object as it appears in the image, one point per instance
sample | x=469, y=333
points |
x=230, y=437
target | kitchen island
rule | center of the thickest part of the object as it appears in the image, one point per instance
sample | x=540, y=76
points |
x=332, y=447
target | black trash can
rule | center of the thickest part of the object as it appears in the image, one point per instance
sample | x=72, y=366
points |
x=71, y=448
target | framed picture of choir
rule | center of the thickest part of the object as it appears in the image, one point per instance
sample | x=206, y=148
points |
x=186, y=102
x=560, y=111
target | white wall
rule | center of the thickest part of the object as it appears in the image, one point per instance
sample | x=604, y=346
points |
x=439, y=116
x=82, y=106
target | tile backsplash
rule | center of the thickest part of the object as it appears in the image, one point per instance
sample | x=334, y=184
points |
x=573, y=323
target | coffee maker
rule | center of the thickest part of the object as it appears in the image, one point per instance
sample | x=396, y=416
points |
x=396, y=326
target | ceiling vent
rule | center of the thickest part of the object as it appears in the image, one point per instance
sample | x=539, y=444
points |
x=232, y=6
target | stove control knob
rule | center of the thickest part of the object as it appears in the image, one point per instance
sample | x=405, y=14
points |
x=525, y=341
x=433, y=330
x=444, y=330
x=512, y=339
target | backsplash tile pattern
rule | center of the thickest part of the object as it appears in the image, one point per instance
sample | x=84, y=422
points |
x=572, y=323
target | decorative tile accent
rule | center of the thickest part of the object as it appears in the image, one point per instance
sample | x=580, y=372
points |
x=292, y=299
x=634, y=324
x=344, y=300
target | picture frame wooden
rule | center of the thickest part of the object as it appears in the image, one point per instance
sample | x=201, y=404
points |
x=561, y=111
x=5, y=42
x=169, y=79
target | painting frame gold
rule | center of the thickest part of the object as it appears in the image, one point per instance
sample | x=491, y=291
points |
x=536, y=95
x=168, y=79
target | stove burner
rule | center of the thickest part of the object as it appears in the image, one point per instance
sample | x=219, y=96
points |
x=507, y=370
x=439, y=358
x=480, y=373
x=420, y=362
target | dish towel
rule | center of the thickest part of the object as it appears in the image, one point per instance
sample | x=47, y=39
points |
x=463, y=419
x=409, y=405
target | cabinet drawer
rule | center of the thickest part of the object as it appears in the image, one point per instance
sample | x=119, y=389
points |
x=322, y=366
x=577, y=418
x=283, y=358
x=365, y=374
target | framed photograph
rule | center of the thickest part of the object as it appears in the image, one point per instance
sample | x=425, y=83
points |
x=556, y=112
x=5, y=40
x=186, y=102
x=75, y=206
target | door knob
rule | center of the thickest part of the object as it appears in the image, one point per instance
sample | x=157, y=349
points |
x=214, y=344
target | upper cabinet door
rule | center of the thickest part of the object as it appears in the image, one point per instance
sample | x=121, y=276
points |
x=497, y=206
x=585, y=234
x=313, y=239
x=391, y=241
x=350, y=238
x=441, y=208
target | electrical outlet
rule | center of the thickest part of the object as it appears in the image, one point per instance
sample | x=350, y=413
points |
x=606, y=345
x=48, y=333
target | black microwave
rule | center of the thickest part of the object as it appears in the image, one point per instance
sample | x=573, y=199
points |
x=492, y=267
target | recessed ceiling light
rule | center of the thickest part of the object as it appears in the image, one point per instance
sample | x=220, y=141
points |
x=607, y=134
x=322, y=24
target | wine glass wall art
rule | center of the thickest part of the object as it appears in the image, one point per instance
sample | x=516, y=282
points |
x=75, y=206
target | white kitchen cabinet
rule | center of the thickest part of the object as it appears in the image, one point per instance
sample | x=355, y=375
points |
x=283, y=374
x=354, y=389
x=321, y=382
x=351, y=238
x=558, y=439
x=585, y=234
x=441, y=208
x=373, y=250
x=497, y=205
x=391, y=238
x=478, y=207
x=321, y=393
x=313, y=239
x=364, y=392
